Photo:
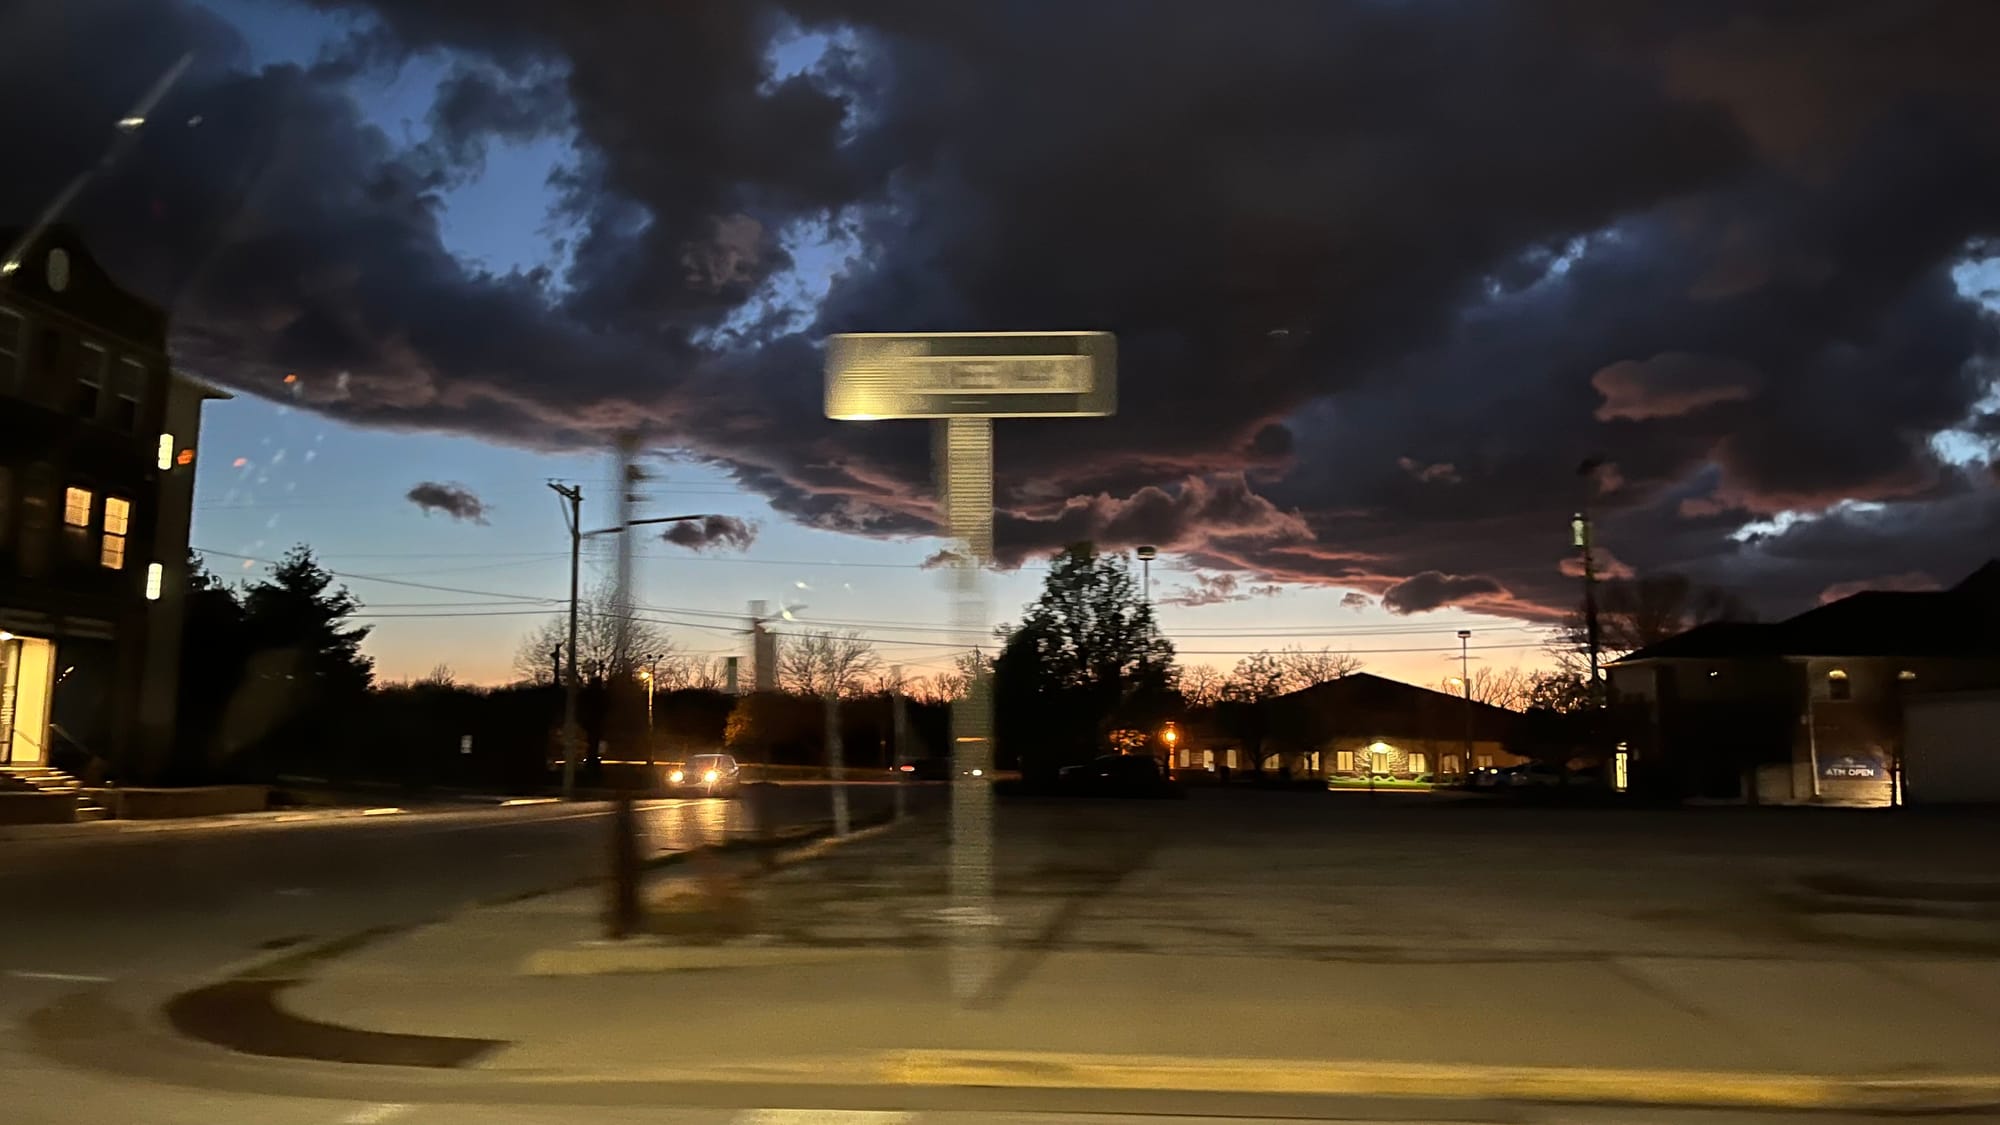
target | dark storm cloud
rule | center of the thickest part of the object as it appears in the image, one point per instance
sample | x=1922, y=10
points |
x=1432, y=590
x=454, y=500
x=1343, y=245
x=1669, y=385
x=711, y=531
x=479, y=105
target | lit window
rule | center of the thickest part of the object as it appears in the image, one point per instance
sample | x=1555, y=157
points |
x=93, y=366
x=1343, y=761
x=76, y=507
x=1906, y=674
x=1418, y=762
x=166, y=452
x=117, y=525
x=155, y=575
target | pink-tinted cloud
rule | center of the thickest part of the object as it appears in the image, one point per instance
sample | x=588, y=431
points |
x=1671, y=384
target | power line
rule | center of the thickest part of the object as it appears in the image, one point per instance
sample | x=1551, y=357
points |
x=549, y=604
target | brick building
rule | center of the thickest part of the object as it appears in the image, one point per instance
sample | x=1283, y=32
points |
x=97, y=447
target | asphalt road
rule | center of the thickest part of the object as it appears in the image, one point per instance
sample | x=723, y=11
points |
x=102, y=910
x=188, y=901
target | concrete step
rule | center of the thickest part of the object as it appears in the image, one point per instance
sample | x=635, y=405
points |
x=88, y=813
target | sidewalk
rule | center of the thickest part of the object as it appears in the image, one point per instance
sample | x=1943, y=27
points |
x=1127, y=965
x=300, y=814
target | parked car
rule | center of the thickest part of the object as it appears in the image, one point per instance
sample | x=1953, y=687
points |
x=1119, y=775
x=705, y=775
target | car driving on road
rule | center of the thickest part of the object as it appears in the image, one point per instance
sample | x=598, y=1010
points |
x=705, y=775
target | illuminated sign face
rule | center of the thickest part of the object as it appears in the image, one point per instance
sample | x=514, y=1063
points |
x=872, y=375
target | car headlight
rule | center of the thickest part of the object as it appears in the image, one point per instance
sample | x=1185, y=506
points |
x=674, y=776
x=710, y=776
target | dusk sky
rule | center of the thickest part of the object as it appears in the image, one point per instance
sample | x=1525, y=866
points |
x=1383, y=275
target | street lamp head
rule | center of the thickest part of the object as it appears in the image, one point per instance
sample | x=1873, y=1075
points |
x=1148, y=554
x=1464, y=634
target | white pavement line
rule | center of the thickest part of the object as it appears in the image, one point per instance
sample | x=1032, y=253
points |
x=73, y=978
x=821, y=1117
x=376, y=1114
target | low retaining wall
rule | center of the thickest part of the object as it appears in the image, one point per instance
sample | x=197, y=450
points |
x=37, y=808
x=163, y=804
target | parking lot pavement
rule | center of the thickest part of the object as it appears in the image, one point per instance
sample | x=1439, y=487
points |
x=1332, y=876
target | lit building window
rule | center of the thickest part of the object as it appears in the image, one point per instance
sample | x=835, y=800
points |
x=76, y=507
x=166, y=452
x=155, y=575
x=1906, y=674
x=117, y=525
x=1343, y=761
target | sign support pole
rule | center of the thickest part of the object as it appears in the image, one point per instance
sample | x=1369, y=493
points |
x=967, y=486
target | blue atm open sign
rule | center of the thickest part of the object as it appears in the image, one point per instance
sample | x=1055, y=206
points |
x=1849, y=767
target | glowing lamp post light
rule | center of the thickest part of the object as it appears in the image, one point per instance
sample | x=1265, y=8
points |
x=964, y=380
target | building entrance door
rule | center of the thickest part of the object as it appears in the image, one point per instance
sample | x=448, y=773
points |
x=27, y=666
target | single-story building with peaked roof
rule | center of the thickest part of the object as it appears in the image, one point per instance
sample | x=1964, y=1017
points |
x=1817, y=707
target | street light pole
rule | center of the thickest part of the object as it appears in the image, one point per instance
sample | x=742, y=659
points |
x=1146, y=557
x=1465, y=680
x=651, y=675
x=573, y=516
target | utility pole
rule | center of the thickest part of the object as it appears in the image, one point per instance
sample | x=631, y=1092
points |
x=1465, y=682
x=573, y=516
x=899, y=725
x=1580, y=534
x=651, y=675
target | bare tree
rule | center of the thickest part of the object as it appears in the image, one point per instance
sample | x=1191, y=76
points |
x=440, y=676
x=694, y=673
x=826, y=663
x=1511, y=688
x=1635, y=612
x=597, y=658
x=1303, y=669
x=1256, y=677
x=890, y=679
x=1201, y=685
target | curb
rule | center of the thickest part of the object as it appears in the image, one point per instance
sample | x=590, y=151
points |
x=653, y=955
x=1605, y=1086
x=1731, y=1089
